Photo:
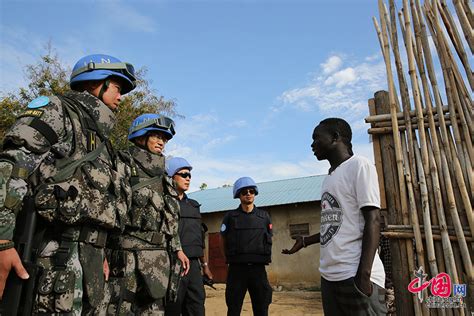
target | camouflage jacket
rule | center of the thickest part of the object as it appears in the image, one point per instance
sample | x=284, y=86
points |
x=61, y=155
x=154, y=215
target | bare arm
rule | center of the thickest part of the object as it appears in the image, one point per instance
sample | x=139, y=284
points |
x=205, y=268
x=370, y=243
x=302, y=242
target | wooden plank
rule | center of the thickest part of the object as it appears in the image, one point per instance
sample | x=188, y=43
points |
x=400, y=272
x=378, y=159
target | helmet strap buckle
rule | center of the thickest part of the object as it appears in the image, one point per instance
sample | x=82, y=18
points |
x=104, y=88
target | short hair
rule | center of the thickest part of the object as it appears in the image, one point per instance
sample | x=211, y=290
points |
x=338, y=125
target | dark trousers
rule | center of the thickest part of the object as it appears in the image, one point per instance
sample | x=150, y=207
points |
x=243, y=277
x=191, y=294
x=344, y=298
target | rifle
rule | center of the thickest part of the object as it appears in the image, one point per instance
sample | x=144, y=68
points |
x=16, y=288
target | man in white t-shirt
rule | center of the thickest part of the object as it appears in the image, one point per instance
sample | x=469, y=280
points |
x=352, y=274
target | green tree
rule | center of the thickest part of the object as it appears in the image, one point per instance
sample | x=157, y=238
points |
x=48, y=76
x=203, y=186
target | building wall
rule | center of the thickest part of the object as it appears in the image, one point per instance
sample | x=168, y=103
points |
x=300, y=270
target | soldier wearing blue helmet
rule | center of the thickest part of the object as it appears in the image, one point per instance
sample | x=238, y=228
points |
x=247, y=240
x=143, y=258
x=58, y=155
x=191, y=294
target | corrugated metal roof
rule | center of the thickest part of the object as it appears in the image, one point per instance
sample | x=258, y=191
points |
x=279, y=192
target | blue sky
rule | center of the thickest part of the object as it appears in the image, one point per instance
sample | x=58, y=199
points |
x=252, y=78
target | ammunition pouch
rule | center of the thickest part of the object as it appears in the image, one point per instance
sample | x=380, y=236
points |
x=6, y=168
x=147, y=208
x=92, y=194
x=153, y=267
x=56, y=291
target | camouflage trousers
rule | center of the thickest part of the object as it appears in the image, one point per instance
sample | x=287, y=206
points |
x=77, y=288
x=139, y=282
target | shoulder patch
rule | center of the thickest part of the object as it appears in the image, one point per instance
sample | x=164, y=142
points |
x=33, y=113
x=38, y=102
x=223, y=228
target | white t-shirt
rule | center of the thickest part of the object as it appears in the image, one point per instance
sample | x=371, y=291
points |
x=345, y=191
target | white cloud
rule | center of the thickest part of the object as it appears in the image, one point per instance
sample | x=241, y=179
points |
x=343, y=90
x=217, y=141
x=373, y=57
x=332, y=64
x=342, y=78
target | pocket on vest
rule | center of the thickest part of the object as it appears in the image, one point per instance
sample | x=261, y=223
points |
x=60, y=201
x=96, y=175
x=56, y=291
x=154, y=268
x=144, y=214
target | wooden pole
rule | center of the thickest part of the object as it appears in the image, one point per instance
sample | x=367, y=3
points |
x=433, y=165
x=400, y=268
x=466, y=163
x=383, y=39
x=465, y=25
x=456, y=40
x=410, y=235
x=400, y=116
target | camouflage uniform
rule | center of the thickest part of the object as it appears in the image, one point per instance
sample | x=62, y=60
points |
x=62, y=156
x=141, y=267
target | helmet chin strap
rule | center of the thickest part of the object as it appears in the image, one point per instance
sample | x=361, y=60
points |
x=104, y=88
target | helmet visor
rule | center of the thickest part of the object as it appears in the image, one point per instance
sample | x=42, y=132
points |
x=124, y=68
x=162, y=122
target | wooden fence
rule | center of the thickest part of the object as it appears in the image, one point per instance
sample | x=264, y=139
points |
x=423, y=148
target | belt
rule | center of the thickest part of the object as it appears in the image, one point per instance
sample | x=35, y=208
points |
x=89, y=234
x=155, y=238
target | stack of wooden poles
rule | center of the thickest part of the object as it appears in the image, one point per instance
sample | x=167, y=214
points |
x=423, y=148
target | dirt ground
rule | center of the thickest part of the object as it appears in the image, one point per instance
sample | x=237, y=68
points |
x=294, y=303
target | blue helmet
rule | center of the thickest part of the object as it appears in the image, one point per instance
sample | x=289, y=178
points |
x=151, y=122
x=244, y=182
x=100, y=67
x=175, y=164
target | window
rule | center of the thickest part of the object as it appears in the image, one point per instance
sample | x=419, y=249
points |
x=299, y=230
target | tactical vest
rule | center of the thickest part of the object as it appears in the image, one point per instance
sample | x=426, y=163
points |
x=190, y=228
x=89, y=185
x=247, y=238
x=148, y=202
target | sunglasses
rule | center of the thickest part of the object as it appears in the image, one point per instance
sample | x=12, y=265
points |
x=184, y=175
x=247, y=191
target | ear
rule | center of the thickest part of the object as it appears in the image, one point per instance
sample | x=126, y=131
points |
x=336, y=136
x=93, y=87
x=141, y=141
